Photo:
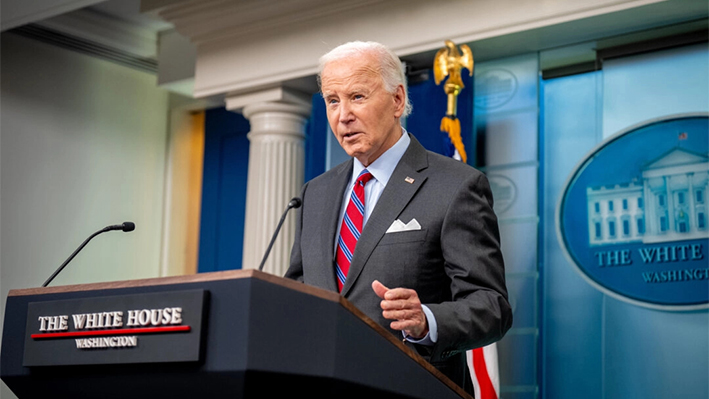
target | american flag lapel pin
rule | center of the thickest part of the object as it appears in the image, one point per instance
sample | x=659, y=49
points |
x=409, y=180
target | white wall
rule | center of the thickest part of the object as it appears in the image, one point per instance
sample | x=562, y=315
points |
x=83, y=145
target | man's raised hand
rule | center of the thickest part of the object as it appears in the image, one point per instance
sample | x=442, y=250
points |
x=404, y=307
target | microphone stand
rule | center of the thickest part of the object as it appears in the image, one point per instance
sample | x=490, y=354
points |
x=294, y=203
x=127, y=226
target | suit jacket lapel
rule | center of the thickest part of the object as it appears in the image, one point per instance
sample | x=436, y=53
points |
x=330, y=214
x=393, y=200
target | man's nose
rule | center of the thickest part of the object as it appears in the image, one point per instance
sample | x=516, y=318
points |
x=346, y=115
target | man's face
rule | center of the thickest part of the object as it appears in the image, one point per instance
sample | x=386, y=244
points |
x=363, y=116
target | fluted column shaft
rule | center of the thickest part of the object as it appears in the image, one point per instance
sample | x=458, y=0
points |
x=276, y=170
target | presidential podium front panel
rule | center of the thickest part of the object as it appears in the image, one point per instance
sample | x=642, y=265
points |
x=233, y=334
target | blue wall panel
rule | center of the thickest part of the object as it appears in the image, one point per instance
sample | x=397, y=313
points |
x=650, y=353
x=226, y=161
x=506, y=149
x=572, y=309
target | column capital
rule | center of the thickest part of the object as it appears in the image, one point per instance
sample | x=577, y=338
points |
x=270, y=119
x=276, y=99
x=276, y=107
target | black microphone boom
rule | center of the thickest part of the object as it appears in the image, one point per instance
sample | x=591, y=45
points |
x=126, y=226
x=294, y=203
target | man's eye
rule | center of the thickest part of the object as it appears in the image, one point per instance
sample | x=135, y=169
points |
x=358, y=96
x=332, y=101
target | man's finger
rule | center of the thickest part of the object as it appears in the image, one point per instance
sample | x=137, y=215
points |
x=397, y=304
x=402, y=325
x=399, y=314
x=399, y=293
x=379, y=289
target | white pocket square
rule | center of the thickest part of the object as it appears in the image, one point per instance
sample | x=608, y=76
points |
x=399, y=226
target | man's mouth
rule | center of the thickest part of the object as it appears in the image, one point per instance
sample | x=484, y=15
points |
x=349, y=135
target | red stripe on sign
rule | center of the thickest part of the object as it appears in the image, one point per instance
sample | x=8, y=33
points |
x=147, y=330
x=487, y=391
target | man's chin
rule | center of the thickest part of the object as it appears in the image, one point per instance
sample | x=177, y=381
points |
x=352, y=151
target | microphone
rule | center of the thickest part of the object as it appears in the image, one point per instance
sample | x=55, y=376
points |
x=294, y=203
x=126, y=226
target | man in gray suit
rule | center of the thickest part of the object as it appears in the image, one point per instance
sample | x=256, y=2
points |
x=414, y=242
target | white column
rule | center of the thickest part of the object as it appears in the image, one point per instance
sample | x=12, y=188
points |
x=692, y=225
x=649, y=211
x=276, y=171
x=671, y=229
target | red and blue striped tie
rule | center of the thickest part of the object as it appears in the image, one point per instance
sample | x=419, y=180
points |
x=351, y=229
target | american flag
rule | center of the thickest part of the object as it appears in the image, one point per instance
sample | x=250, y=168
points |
x=484, y=370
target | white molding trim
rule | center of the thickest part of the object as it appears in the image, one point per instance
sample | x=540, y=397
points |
x=251, y=44
x=234, y=19
x=110, y=32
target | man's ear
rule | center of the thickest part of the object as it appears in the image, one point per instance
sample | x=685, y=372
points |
x=399, y=101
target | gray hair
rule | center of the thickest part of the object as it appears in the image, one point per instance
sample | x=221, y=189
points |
x=391, y=68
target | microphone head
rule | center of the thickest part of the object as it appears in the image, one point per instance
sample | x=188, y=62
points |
x=295, y=203
x=128, y=226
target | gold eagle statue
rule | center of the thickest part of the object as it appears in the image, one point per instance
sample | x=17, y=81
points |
x=449, y=62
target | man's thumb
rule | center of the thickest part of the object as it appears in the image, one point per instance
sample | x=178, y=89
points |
x=379, y=288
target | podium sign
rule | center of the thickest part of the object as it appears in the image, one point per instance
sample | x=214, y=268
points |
x=138, y=328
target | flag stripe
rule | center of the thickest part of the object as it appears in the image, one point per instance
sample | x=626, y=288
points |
x=487, y=390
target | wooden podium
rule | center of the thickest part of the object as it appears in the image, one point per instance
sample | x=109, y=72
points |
x=258, y=335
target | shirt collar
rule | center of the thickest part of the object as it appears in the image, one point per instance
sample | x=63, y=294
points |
x=383, y=167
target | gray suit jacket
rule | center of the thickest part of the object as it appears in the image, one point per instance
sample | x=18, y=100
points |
x=454, y=262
